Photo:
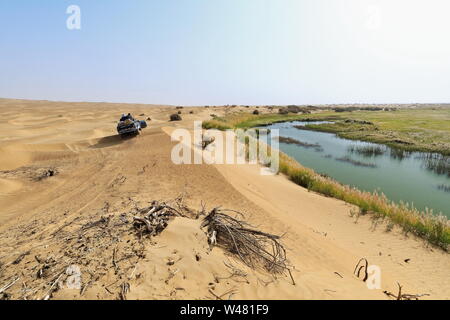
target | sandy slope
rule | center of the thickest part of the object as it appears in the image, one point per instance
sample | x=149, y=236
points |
x=99, y=174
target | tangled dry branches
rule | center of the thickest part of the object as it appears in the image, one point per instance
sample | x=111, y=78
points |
x=110, y=244
x=154, y=219
x=254, y=248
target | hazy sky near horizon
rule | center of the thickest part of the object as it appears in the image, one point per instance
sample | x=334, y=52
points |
x=210, y=52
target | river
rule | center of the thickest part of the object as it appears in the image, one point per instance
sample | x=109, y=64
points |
x=416, y=178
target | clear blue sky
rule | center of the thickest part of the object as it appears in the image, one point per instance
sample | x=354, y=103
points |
x=197, y=52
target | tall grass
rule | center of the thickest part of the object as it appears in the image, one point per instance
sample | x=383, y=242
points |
x=289, y=140
x=437, y=163
x=367, y=150
x=433, y=228
x=356, y=163
x=444, y=187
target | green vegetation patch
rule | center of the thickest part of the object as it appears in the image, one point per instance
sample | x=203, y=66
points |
x=421, y=129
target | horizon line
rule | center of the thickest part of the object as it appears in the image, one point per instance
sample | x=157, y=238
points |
x=233, y=104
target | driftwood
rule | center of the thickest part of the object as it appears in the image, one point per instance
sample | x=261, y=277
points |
x=253, y=247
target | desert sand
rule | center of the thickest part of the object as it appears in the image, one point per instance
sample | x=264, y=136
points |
x=95, y=173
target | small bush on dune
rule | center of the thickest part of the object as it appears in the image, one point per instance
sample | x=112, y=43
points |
x=175, y=117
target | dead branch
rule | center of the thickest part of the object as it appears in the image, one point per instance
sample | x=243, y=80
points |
x=83, y=290
x=102, y=222
x=20, y=258
x=215, y=295
x=124, y=289
x=145, y=222
x=404, y=296
x=292, y=278
x=154, y=219
x=399, y=296
x=9, y=285
x=359, y=267
x=116, y=267
x=52, y=287
x=232, y=291
x=63, y=226
x=254, y=248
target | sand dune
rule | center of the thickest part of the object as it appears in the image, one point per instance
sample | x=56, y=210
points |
x=98, y=174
